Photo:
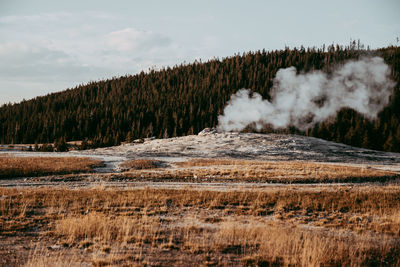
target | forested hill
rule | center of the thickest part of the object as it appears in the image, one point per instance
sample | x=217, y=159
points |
x=185, y=99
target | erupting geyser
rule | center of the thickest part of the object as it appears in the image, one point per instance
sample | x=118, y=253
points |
x=301, y=100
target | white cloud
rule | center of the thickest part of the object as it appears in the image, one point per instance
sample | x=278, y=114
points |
x=129, y=39
x=33, y=18
x=57, y=49
x=30, y=62
x=17, y=53
x=63, y=48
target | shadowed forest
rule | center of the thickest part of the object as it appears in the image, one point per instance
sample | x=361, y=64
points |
x=185, y=99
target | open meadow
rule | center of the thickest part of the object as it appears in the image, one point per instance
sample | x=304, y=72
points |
x=91, y=209
x=344, y=225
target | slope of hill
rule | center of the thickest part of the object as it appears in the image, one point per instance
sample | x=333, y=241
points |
x=247, y=146
x=185, y=99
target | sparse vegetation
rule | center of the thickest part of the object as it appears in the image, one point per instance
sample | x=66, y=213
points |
x=263, y=171
x=140, y=164
x=39, y=166
x=341, y=225
x=248, y=224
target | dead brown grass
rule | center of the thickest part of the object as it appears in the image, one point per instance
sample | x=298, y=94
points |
x=264, y=171
x=100, y=227
x=140, y=164
x=381, y=201
x=40, y=258
x=288, y=226
x=39, y=166
x=279, y=245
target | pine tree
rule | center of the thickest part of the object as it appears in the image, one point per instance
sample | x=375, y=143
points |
x=184, y=99
x=60, y=145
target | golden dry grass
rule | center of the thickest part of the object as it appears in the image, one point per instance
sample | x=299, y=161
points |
x=39, y=166
x=40, y=258
x=98, y=226
x=294, y=246
x=311, y=225
x=382, y=201
x=139, y=164
x=288, y=226
x=264, y=171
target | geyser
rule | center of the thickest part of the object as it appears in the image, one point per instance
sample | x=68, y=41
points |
x=301, y=100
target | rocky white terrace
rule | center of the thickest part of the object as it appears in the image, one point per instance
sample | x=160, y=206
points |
x=211, y=144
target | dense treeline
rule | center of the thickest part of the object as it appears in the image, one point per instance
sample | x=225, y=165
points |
x=185, y=99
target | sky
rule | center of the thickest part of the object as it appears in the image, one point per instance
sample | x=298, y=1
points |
x=51, y=45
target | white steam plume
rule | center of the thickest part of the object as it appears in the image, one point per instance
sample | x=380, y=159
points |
x=301, y=100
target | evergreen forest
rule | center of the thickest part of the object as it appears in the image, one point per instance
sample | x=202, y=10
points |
x=184, y=99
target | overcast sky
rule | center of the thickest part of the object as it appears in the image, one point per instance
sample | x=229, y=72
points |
x=50, y=45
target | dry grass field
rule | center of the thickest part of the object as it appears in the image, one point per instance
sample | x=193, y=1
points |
x=341, y=215
x=255, y=171
x=198, y=170
x=280, y=226
x=39, y=166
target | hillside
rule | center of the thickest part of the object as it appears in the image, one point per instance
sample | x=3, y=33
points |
x=239, y=199
x=185, y=99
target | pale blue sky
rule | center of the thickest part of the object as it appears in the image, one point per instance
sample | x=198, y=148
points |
x=49, y=45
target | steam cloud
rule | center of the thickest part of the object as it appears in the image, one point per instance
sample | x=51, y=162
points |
x=301, y=100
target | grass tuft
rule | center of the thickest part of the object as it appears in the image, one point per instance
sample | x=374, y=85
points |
x=40, y=166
